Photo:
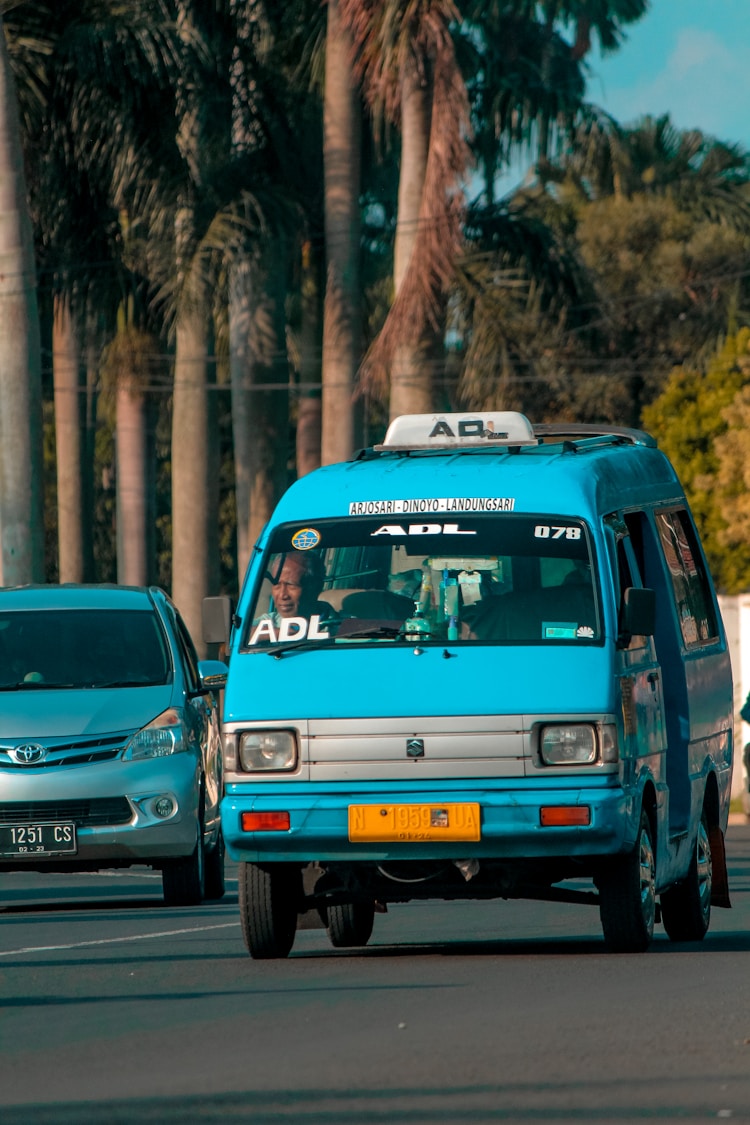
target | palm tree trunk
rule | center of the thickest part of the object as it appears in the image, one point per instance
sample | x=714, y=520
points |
x=411, y=374
x=194, y=487
x=309, y=409
x=134, y=519
x=21, y=460
x=341, y=320
x=194, y=516
x=260, y=392
x=69, y=403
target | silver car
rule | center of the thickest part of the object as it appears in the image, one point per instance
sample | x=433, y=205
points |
x=110, y=741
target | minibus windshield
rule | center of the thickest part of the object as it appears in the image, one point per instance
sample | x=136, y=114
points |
x=464, y=579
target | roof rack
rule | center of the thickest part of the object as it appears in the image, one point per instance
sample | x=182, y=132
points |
x=570, y=431
x=506, y=430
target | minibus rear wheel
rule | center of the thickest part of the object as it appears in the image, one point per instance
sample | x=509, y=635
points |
x=627, y=899
x=686, y=908
x=350, y=923
x=269, y=901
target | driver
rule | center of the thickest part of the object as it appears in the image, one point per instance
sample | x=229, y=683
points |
x=296, y=580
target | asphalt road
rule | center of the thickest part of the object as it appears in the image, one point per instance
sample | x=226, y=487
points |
x=116, y=1009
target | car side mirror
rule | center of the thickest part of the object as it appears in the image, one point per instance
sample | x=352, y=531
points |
x=638, y=616
x=213, y=674
x=216, y=619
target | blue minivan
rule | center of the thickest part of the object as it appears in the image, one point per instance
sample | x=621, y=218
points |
x=483, y=660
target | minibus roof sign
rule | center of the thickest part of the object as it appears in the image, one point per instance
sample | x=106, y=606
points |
x=455, y=431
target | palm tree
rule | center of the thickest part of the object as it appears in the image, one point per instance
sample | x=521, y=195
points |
x=526, y=305
x=104, y=63
x=703, y=176
x=342, y=163
x=194, y=491
x=21, y=489
x=407, y=60
x=276, y=150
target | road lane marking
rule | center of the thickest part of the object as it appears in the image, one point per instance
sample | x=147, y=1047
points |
x=111, y=941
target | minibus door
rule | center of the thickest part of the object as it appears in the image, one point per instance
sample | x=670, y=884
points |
x=641, y=686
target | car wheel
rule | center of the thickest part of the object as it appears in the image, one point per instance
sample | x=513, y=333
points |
x=627, y=899
x=270, y=897
x=686, y=908
x=214, y=879
x=350, y=923
x=183, y=880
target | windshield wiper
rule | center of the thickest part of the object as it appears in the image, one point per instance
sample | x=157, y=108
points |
x=373, y=631
x=121, y=683
x=294, y=646
x=35, y=685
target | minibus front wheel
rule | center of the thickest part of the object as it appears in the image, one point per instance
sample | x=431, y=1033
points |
x=627, y=898
x=270, y=898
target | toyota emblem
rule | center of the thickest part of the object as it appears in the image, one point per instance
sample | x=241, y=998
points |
x=29, y=754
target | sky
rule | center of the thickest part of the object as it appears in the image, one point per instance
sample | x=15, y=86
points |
x=687, y=58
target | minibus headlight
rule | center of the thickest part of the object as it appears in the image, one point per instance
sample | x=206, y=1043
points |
x=571, y=744
x=267, y=750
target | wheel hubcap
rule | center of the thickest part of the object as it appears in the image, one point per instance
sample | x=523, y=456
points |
x=704, y=868
x=647, y=876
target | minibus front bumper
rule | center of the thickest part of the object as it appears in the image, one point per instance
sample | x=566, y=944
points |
x=523, y=821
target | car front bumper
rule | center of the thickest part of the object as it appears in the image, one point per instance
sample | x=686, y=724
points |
x=112, y=805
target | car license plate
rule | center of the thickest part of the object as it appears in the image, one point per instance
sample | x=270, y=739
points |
x=412, y=823
x=38, y=839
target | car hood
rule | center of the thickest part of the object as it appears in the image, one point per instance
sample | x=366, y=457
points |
x=385, y=681
x=94, y=711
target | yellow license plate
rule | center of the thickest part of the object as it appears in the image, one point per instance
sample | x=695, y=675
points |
x=411, y=823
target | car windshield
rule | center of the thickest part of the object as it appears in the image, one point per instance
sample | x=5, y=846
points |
x=81, y=648
x=464, y=579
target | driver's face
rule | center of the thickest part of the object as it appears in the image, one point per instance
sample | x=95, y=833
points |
x=287, y=589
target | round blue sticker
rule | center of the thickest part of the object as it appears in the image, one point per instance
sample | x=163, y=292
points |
x=305, y=539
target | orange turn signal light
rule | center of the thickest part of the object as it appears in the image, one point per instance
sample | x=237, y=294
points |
x=564, y=816
x=264, y=821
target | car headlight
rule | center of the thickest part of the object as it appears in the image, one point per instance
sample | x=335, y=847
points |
x=569, y=744
x=164, y=736
x=267, y=750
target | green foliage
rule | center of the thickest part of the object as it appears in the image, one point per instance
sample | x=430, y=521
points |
x=698, y=420
x=667, y=282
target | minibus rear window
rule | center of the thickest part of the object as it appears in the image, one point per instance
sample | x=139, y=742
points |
x=462, y=579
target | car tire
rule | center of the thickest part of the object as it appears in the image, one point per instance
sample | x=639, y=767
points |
x=270, y=898
x=215, y=883
x=183, y=880
x=627, y=899
x=350, y=923
x=686, y=908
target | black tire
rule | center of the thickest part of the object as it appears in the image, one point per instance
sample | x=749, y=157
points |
x=686, y=908
x=183, y=880
x=215, y=884
x=627, y=899
x=269, y=903
x=350, y=923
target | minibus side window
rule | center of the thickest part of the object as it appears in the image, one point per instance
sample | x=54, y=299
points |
x=692, y=593
x=627, y=570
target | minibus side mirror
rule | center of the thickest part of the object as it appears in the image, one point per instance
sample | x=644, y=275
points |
x=638, y=616
x=216, y=619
